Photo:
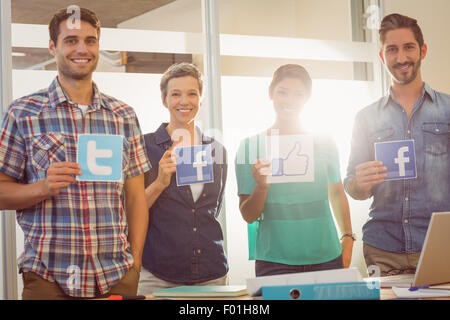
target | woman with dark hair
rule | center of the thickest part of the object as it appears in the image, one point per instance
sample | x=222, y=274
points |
x=184, y=244
x=291, y=228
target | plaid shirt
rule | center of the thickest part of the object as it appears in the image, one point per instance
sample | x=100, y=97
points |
x=79, y=237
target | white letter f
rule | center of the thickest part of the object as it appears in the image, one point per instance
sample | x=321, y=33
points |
x=401, y=160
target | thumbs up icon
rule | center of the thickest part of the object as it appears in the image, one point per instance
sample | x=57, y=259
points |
x=295, y=163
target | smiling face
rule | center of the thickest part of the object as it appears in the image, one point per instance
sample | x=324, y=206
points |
x=402, y=55
x=182, y=100
x=76, y=51
x=289, y=97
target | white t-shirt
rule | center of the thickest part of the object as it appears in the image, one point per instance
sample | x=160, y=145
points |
x=83, y=108
x=196, y=190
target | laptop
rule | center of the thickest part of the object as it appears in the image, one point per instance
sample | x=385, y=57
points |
x=433, y=267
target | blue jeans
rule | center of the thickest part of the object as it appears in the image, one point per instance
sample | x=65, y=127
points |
x=267, y=268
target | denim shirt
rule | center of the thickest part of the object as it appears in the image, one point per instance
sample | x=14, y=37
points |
x=184, y=240
x=401, y=209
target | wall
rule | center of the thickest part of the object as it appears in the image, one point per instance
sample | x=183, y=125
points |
x=282, y=18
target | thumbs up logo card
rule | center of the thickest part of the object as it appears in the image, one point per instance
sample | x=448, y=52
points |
x=100, y=157
x=291, y=157
x=194, y=165
x=398, y=157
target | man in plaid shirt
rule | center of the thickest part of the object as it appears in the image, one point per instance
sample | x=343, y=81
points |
x=83, y=239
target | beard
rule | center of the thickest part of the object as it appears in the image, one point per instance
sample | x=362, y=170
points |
x=405, y=78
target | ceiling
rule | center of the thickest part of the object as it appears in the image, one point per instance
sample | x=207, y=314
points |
x=110, y=12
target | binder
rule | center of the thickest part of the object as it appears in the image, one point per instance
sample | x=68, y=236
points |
x=326, y=276
x=323, y=291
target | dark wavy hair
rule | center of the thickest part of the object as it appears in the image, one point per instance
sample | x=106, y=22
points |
x=62, y=15
x=398, y=21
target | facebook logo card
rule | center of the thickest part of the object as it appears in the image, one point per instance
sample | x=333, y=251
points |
x=398, y=157
x=194, y=165
x=100, y=157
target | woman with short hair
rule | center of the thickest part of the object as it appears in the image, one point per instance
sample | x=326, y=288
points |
x=184, y=244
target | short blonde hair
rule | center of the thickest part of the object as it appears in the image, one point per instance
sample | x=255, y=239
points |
x=179, y=70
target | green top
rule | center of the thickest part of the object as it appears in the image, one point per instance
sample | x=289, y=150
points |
x=296, y=226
